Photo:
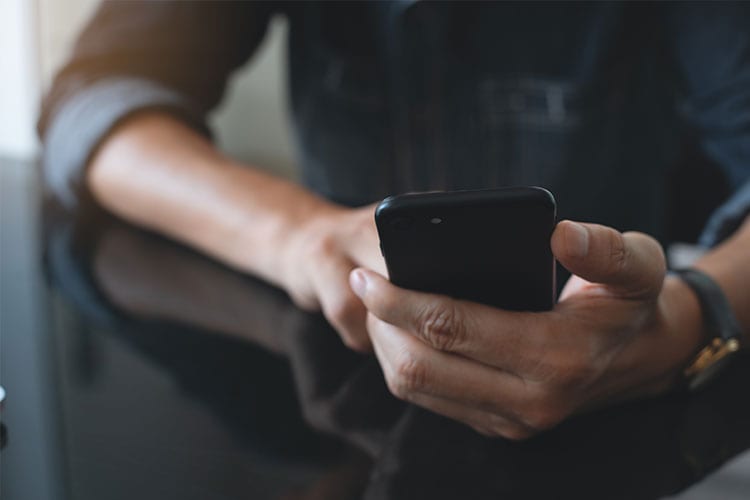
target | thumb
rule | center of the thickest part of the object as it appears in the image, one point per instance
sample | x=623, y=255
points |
x=631, y=264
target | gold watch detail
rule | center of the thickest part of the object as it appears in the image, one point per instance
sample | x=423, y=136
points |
x=713, y=352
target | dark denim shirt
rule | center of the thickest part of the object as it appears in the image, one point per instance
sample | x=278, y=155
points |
x=590, y=100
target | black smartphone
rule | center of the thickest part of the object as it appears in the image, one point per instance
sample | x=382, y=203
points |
x=490, y=246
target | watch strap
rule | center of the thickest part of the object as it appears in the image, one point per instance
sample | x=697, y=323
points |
x=719, y=321
x=718, y=317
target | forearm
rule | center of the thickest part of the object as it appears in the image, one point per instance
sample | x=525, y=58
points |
x=683, y=329
x=158, y=173
x=729, y=265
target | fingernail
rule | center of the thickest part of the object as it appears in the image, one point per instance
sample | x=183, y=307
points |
x=577, y=240
x=358, y=282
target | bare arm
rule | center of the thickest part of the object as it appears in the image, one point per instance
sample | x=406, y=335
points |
x=156, y=172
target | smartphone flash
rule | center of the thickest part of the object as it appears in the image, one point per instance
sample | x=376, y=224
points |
x=436, y=220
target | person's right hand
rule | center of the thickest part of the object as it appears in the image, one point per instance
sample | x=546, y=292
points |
x=317, y=260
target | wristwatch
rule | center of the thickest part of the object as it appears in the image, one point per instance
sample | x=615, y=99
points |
x=724, y=331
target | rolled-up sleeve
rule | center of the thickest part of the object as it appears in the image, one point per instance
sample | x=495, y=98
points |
x=86, y=117
x=174, y=56
x=711, y=42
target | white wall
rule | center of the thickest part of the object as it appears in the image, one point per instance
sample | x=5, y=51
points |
x=19, y=84
x=251, y=122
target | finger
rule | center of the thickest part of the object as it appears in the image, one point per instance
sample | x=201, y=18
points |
x=484, y=422
x=365, y=245
x=412, y=370
x=341, y=307
x=507, y=340
x=631, y=264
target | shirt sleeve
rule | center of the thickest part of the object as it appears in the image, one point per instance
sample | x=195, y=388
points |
x=711, y=42
x=135, y=55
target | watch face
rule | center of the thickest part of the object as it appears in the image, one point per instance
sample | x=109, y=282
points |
x=710, y=372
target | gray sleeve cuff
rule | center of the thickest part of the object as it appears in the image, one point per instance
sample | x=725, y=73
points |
x=727, y=218
x=87, y=116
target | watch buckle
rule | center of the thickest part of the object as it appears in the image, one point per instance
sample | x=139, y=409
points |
x=713, y=352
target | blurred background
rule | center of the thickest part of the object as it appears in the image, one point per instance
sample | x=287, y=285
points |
x=36, y=37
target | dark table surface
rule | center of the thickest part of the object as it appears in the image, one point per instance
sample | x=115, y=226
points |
x=136, y=368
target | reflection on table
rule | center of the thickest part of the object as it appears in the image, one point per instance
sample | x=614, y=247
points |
x=289, y=394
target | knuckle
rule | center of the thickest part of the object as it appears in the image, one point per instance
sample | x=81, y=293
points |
x=395, y=389
x=543, y=420
x=410, y=376
x=355, y=343
x=545, y=414
x=515, y=433
x=347, y=317
x=323, y=246
x=306, y=302
x=618, y=252
x=498, y=426
x=651, y=252
x=646, y=242
x=441, y=326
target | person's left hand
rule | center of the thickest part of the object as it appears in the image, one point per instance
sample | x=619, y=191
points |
x=620, y=330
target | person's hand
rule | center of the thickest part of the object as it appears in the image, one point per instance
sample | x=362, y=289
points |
x=620, y=330
x=317, y=263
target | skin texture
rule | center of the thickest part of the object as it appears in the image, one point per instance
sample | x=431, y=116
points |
x=620, y=330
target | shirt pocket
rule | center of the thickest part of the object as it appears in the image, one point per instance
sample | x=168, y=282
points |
x=526, y=128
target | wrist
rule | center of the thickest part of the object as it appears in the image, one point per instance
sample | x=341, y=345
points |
x=263, y=214
x=290, y=231
x=686, y=333
x=725, y=334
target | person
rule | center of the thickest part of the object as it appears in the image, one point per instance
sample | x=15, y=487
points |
x=589, y=100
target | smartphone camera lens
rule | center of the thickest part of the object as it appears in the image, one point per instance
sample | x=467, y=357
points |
x=401, y=223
